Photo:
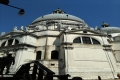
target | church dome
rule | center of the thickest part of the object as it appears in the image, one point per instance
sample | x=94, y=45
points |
x=58, y=20
x=58, y=15
x=111, y=29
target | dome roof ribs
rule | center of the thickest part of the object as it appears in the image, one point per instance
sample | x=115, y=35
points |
x=57, y=15
x=58, y=20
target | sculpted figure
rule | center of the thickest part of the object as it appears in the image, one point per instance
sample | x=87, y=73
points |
x=15, y=28
x=3, y=33
x=22, y=28
x=27, y=28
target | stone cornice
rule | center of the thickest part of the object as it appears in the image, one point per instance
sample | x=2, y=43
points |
x=85, y=30
x=66, y=43
x=18, y=34
x=18, y=46
x=73, y=32
x=86, y=34
x=48, y=36
x=106, y=45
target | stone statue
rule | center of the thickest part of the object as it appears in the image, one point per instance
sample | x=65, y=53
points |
x=2, y=33
x=92, y=29
x=96, y=27
x=22, y=28
x=15, y=28
x=27, y=28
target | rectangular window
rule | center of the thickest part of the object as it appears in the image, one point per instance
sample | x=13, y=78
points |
x=86, y=40
x=38, y=55
x=54, y=54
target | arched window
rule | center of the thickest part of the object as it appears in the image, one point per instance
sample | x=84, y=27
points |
x=54, y=54
x=16, y=42
x=77, y=40
x=38, y=55
x=86, y=40
x=3, y=44
x=10, y=42
x=95, y=41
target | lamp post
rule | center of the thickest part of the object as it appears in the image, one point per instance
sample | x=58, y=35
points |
x=6, y=2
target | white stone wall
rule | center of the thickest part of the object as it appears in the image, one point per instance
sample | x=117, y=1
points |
x=41, y=41
x=53, y=41
x=23, y=56
x=30, y=40
x=47, y=32
x=76, y=59
x=116, y=51
x=84, y=59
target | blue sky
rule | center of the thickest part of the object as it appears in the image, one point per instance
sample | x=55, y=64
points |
x=93, y=12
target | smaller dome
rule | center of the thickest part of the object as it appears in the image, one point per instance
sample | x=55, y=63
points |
x=111, y=29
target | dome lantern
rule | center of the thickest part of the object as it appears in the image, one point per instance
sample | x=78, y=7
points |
x=105, y=25
x=58, y=11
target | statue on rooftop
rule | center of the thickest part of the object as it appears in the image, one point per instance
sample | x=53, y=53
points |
x=2, y=33
x=22, y=28
x=27, y=28
x=96, y=27
x=15, y=28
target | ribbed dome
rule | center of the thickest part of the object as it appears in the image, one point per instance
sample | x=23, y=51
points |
x=58, y=17
x=110, y=29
